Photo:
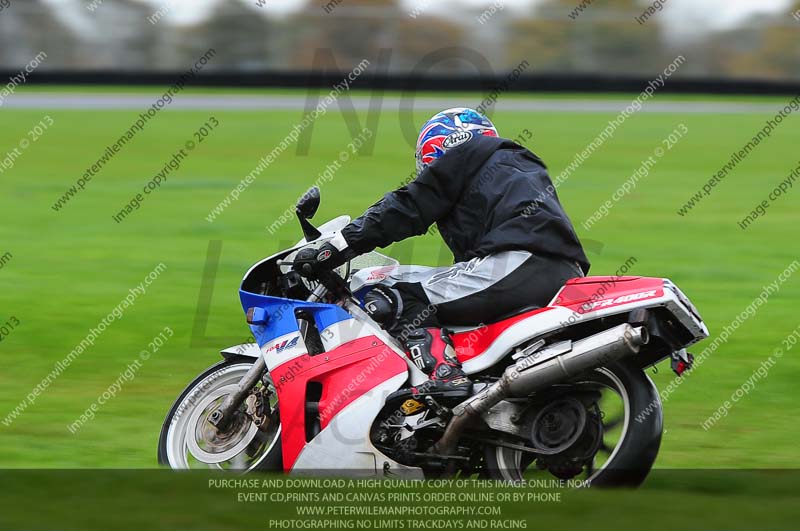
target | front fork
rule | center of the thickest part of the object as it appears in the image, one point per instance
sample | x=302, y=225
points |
x=221, y=418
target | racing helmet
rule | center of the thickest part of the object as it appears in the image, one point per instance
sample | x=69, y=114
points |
x=448, y=129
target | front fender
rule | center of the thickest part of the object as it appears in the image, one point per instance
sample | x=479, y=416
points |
x=249, y=350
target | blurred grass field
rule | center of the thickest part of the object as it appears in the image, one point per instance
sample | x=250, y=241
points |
x=70, y=268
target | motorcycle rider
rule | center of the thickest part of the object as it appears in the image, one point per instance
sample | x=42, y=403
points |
x=496, y=209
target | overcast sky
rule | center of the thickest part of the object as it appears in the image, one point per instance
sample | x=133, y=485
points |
x=685, y=17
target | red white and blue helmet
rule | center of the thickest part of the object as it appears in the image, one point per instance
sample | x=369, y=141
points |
x=448, y=129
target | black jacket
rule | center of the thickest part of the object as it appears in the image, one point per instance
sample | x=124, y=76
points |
x=486, y=195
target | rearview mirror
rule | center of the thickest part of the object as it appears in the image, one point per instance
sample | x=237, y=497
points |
x=306, y=208
x=308, y=204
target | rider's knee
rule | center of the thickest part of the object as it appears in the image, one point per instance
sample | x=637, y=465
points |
x=383, y=304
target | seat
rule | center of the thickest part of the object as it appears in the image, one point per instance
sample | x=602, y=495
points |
x=460, y=327
x=513, y=313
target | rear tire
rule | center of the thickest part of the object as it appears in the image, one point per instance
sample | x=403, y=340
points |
x=175, y=430
x=633, y=455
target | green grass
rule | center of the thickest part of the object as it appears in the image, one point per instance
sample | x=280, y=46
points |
x=71, y=268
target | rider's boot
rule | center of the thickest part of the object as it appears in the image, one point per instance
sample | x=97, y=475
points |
x=431, y=350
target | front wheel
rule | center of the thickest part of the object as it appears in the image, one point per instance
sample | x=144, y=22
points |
x=627, y=434
x=188, y=440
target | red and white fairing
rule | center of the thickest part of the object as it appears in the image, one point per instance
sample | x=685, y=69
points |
x=360, y=368
x=581, y=299
x=362, y=364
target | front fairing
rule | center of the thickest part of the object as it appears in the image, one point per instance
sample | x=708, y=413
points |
x=273, y=318
x=267, y=270
x=275, y=313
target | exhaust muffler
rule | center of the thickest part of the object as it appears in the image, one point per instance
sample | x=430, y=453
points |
x=535, y=372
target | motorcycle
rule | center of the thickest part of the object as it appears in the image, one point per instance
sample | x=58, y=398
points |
x=558, y=390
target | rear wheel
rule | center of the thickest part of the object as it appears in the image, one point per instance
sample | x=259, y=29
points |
x=616, y=446
x=188, y=441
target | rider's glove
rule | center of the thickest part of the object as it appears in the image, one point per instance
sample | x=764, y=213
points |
x=312, y=262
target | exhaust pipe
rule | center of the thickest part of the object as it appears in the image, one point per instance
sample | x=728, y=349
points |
x=528, y=376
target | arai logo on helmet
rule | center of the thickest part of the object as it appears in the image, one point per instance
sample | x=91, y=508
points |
x=456, y=139
x=324, y=255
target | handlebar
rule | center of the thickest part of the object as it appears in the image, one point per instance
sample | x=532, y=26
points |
x=330, y=280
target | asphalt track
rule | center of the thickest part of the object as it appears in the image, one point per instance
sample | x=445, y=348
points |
x=238, y=102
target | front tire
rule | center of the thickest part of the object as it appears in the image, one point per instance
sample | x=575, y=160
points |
x=181, y=444
x=630, y=458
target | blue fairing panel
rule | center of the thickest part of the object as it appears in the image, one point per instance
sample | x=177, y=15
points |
x=275, y=316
